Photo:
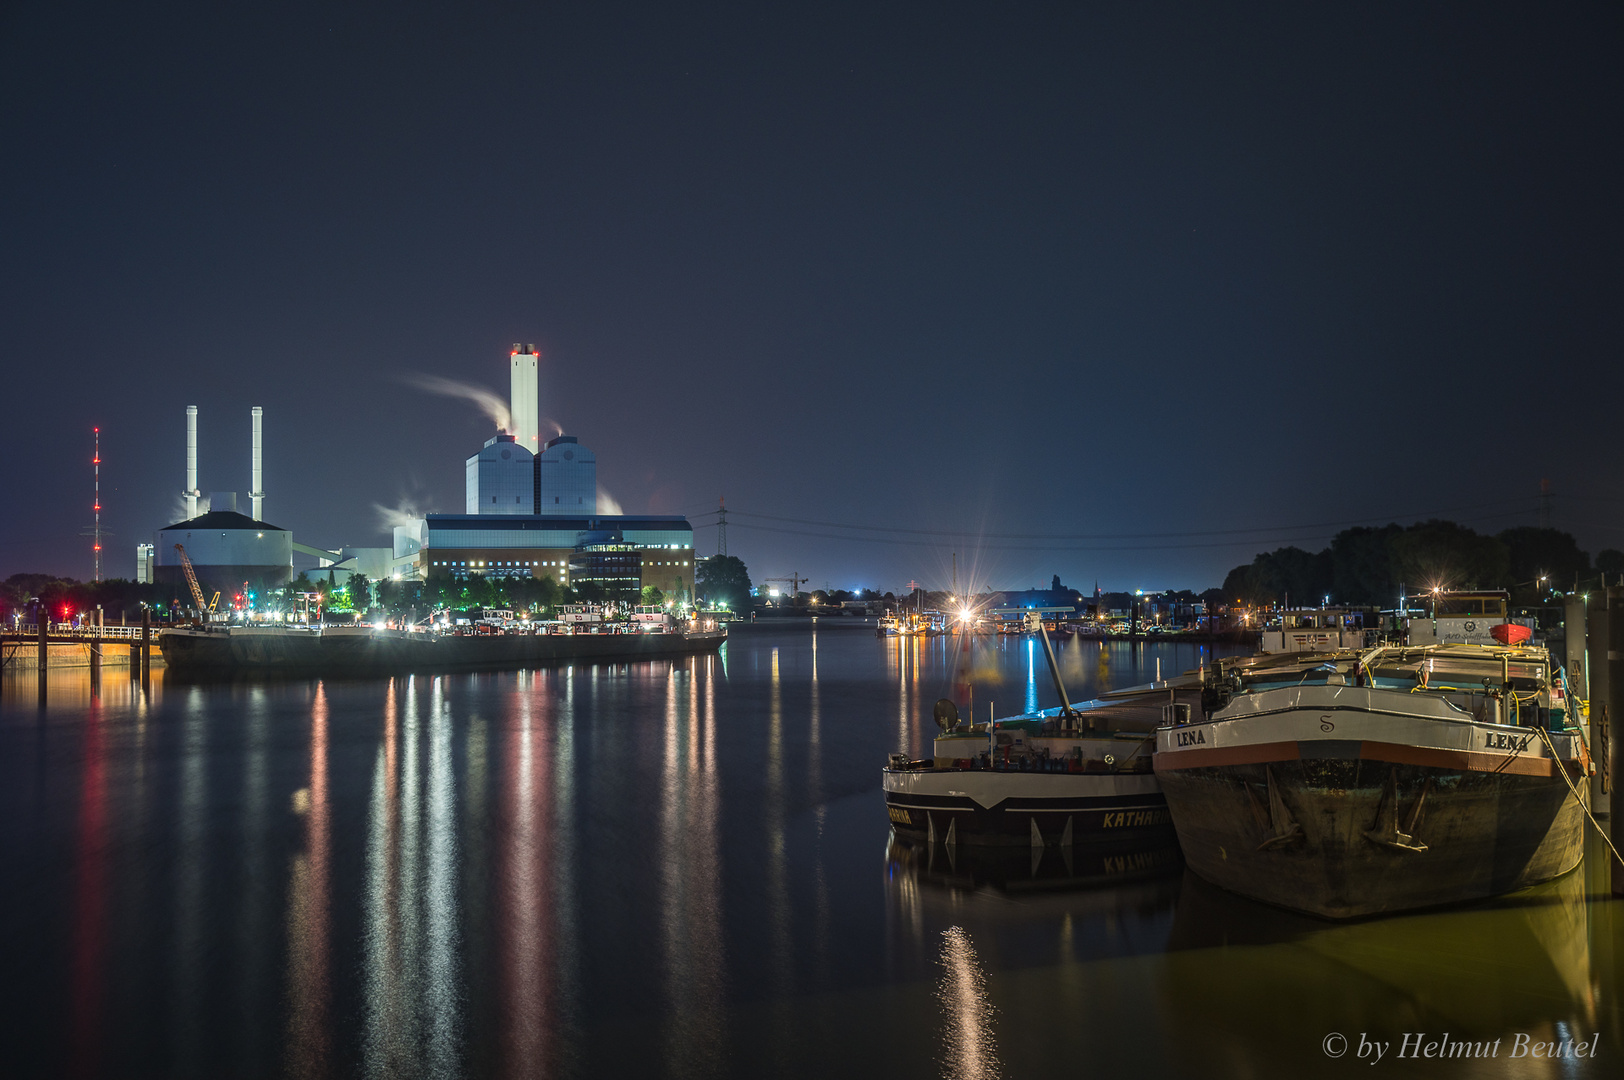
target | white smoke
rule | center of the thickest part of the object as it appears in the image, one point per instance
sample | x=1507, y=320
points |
x=407, y=513
x=490, y=402
x=607, y=505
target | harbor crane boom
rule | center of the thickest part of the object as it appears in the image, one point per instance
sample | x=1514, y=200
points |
x=191, y=580
x=794, y=581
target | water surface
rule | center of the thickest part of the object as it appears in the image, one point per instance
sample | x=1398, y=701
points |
x=675, y=869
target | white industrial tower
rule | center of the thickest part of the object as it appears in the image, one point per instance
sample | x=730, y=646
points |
x=256, y=493
x=525, y=402
x=191, y=493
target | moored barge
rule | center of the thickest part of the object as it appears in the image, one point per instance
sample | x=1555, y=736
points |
x=1033, y=780
x=363, y=650
x=1368, y=781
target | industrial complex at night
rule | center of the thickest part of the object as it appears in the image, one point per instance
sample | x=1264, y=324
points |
x=530, y=510
x=1173, y=627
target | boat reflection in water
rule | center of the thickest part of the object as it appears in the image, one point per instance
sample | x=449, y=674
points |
x=1010, y=871
x=1519, y=964
x=1048, y=914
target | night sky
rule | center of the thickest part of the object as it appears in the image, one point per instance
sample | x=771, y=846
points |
x=1138, y=276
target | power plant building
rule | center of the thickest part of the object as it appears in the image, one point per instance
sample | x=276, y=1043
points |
x=616, y=551
x=535, y=515
x=566, y=478
x=226, y=549
x=501, y=478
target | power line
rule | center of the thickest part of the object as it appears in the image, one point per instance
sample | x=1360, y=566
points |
x=981, y=544
x=1270, y=530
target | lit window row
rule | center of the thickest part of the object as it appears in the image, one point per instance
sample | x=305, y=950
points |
x=480, y=562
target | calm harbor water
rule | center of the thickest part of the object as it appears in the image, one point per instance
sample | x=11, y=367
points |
x=678, y=869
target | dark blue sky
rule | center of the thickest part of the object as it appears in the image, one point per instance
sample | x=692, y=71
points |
x=1091, y=271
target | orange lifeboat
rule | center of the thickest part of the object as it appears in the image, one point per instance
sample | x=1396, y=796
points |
x=1510, y=633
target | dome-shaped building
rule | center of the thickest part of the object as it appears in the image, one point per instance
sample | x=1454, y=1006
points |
x=226, y=549
x=501, y=478
x=566, y=479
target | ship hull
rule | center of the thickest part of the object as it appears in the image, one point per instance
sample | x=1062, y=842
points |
x=996, y=807
x=1344, y=802
x=1484, y=834
x=198, y=653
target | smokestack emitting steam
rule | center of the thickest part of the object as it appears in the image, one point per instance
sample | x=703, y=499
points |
x=256, y=491
x=492, y=404
x=191, y=493
x=523, y=400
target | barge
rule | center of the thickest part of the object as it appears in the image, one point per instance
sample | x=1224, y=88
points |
x=365, y=650
x=1369, y=781
x=1070, y=775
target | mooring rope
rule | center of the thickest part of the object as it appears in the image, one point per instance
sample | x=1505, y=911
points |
x=1561, y=768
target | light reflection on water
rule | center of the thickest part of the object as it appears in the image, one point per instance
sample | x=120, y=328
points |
x=969, y=1044
x=693, y=945
x=90, y=899
x=525, y=913
x=308, y=932
x=673, y=869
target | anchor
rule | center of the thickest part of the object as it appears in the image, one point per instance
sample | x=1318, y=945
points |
x=1386, y=831
x=1285, y=829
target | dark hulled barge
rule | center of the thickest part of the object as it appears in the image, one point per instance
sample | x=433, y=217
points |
x=1031, y=780
x=365, y=650
x=1361, y=782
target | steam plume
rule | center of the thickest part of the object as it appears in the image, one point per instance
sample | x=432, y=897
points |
x=491, y=403
x=607, y=505
x=407, y=513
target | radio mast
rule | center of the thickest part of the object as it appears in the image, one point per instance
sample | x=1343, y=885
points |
x=96, y=507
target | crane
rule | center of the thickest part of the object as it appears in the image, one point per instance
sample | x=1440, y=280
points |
x=794, y=581
x=191, y=581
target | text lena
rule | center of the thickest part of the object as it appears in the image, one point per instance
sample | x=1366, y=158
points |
x=1499, y=740
x=1191, y=738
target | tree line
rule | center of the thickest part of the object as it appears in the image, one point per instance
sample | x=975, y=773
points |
x=1368, y=565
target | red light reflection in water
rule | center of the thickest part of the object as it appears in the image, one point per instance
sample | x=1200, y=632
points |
x=524, y=926
x=90, y=901
x=690, y=873
x=309, y=899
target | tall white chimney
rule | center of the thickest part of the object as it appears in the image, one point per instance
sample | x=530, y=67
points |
x=191, y=491
x=525, y=404
x=256, y=493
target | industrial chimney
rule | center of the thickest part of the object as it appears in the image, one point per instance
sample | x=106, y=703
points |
x=256, y=492
x=191, y=493
x=524, y=403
